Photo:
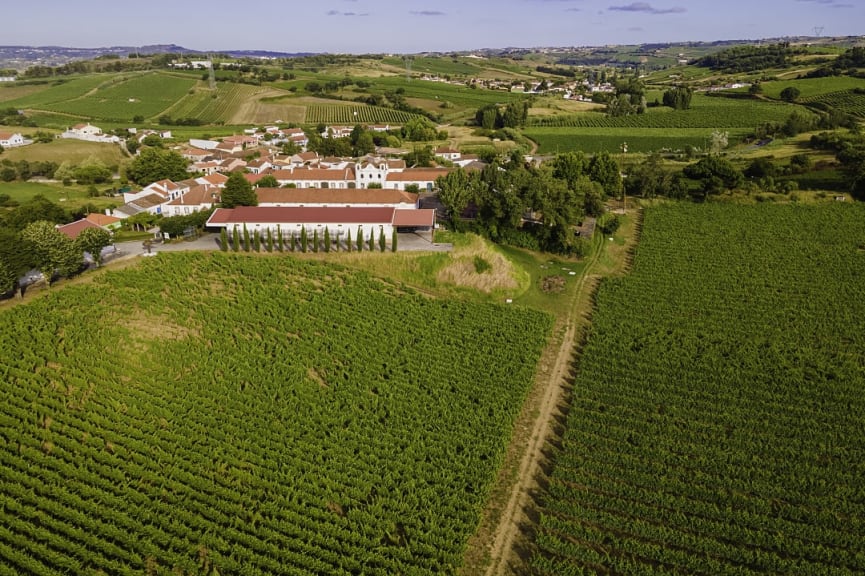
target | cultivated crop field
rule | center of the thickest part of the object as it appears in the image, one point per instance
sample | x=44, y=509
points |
x=848, y=101
x=221, y=413
x=342, y=114
x=124, y=98
x=60, y=90
x=556, y=140
x=712, y=112
x=717, y=424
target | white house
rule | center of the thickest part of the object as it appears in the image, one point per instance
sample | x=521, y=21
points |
x=198, y=198
x=324, y=197
x=447, y=153
x=338, y=221
x=11, y=140
x=316, y=177
x=89, y=133
x=423, y=178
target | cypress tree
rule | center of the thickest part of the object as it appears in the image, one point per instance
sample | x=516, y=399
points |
x=280, y=241
x=246, y=243
x=326, y=239
x=371, y=241
x=359, y=239
x=223, y=240
x=315, y=240
x=393, y=241
x=303, y=239
x=256, y=240
x=381, y=240
x=235, y=239
x=269, y=242
x=293, y=248
x=336, y=243
x=348, y=241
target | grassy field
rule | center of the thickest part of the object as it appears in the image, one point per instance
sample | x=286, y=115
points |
x=717, y=418
x=236, y=430
x=812, y=87
x=69, y=197
x=644, y=140
x=61, y=149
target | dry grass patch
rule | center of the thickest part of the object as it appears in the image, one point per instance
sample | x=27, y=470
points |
x=477, y=265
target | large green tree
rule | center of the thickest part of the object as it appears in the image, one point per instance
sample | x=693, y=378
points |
x=715, y=175
x=8, y=278
x=604, y=170
x=154, y=164
x=92, y=241
x=238, y=192
x=54, y=251
x=455, y=191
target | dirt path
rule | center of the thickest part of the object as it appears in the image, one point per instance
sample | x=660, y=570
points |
x=505, y=534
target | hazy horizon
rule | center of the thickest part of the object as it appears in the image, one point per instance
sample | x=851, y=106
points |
x=376, y=26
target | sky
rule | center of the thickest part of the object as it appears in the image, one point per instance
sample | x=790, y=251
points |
x=411, y=26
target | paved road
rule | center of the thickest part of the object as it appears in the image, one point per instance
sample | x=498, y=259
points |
x=136, y=247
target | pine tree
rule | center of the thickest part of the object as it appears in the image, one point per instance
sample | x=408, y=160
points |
x=223, y=240
x=393, y=241
x=326, y=239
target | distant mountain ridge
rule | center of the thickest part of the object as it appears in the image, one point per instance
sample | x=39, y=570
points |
x=22, y=56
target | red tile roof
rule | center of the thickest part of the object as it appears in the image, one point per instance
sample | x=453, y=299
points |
x=301, y=215
x=334, y=196
x=424, y=217
x=73, y=229
x=102, y=219
x=418, y=174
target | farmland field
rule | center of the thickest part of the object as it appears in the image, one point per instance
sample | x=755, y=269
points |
x=848, y=101
x=60, y=90
x=249, y=415
x=554, y=140
x=717, y=424
x=812, y=87
x=146, y=95
x=712, y=112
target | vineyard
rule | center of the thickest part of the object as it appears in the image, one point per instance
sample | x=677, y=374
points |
x=218, y=414
x=593, y=140
x=145, y=95
x=706, y=112
x=717, y=424
x=60, y=91
x=215, y=107
x=848, y=101
x=339, y=114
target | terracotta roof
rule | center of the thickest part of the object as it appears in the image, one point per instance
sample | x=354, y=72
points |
x=102, y=219
x=6, y=135
x=301, y=215
x=199, y=195
x=148, y=201
x=316, y=174
x=334, y=196
x=424, y=217
x=418, y=174
x=73, y=229
x=215, y=179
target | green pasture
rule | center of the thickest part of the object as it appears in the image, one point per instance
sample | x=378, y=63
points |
x=69, y=197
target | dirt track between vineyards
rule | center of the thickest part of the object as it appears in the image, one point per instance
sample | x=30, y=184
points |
x=506, y=539
x=541, y=408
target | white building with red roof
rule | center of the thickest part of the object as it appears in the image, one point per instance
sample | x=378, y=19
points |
x=13, y=139
x=305, y=177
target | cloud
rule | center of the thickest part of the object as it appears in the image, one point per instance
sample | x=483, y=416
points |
x=427, y=13
x=338, y=13
x=646, y=8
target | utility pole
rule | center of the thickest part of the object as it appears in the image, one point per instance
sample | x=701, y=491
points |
x=622, y=175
